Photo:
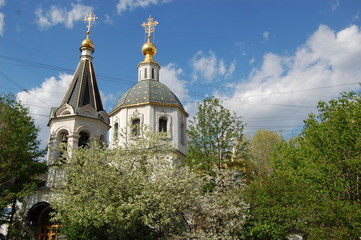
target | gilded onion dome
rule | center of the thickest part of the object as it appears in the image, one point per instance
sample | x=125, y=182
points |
x=149, y=50
x=87, y=43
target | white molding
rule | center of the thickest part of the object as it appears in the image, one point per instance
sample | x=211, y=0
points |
x=63, y=109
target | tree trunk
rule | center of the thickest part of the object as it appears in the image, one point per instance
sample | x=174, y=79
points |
x=11, y=221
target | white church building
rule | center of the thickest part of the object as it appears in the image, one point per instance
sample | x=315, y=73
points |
x=80, y=119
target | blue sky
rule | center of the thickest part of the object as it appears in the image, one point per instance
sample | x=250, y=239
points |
x=269, y=61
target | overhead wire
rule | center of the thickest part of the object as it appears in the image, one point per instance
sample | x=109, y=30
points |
x=27, y=63
x=193, y=93
x=15, y=83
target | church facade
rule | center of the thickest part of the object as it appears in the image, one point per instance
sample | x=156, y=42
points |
x=149, y=102
x=81, y=120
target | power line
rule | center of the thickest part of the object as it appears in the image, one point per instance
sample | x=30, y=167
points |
x=18, y=85
x=41, y=115
x=302, y=90
x=27, y=63
x=117, y=79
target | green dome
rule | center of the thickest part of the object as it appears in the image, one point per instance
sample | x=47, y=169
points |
x=148, y=92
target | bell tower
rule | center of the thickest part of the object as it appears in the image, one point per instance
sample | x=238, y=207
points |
x=80, y=120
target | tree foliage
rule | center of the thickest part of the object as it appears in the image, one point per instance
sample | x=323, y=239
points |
x=215, y=137
x=314, y=188
x=224, y=211
x=136, y=191
x=261, y=146
x=217, y=150
x=20, y=156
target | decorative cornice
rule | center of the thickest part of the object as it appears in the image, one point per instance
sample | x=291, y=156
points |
x=148, y=103
x=73, y=117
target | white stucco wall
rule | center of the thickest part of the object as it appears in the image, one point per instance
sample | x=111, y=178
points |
x=149, y=115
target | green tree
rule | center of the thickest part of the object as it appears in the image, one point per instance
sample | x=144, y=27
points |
x=215, y=137
x=217, y=150
x=314, y=188
x=278, y=206
x=20, y=157
x=262, y=144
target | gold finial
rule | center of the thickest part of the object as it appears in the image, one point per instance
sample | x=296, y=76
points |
x=87, y=43
x=149, y=26
x=148, y=48
x=89, y=19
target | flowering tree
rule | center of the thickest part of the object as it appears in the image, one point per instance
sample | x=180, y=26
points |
x=137, y=191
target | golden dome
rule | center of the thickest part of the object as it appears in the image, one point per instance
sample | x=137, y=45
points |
x=87, y=43
x=149, y=50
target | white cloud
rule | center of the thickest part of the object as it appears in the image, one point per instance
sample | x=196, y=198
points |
x=108, y=19
x=57, y=15
x=18, y=28
x=265, y=35
x=231, y=69
x=2, y=24
x=356, y=16
x=242, y=47
x=129, y=5
x=2, y=18
x=210, y=67
x=280, y=93
x=108, y=100
x=335, y=4
x=170, y=76
x=41, y=99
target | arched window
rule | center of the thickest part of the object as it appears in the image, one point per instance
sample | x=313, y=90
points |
x=136, y=127
x=83, y=139
x=63, y=146
x=152, y=73
x=182, y=133
x=64, y=137
x=162, y=124
x=145, y=73
x=116, y=132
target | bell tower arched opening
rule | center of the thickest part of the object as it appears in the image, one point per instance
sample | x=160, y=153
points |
x=83, y=139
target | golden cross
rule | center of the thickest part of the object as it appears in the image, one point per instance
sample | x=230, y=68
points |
x=149, y=26
x=89, y=19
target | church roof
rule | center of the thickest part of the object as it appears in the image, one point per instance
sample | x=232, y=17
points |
x=148, y=92
x=83, y=88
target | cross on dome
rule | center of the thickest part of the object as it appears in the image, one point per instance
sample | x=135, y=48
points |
x=87, y=44
x=149, y=26
x=89, y=19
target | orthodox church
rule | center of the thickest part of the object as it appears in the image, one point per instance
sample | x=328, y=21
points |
x=81, y=119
